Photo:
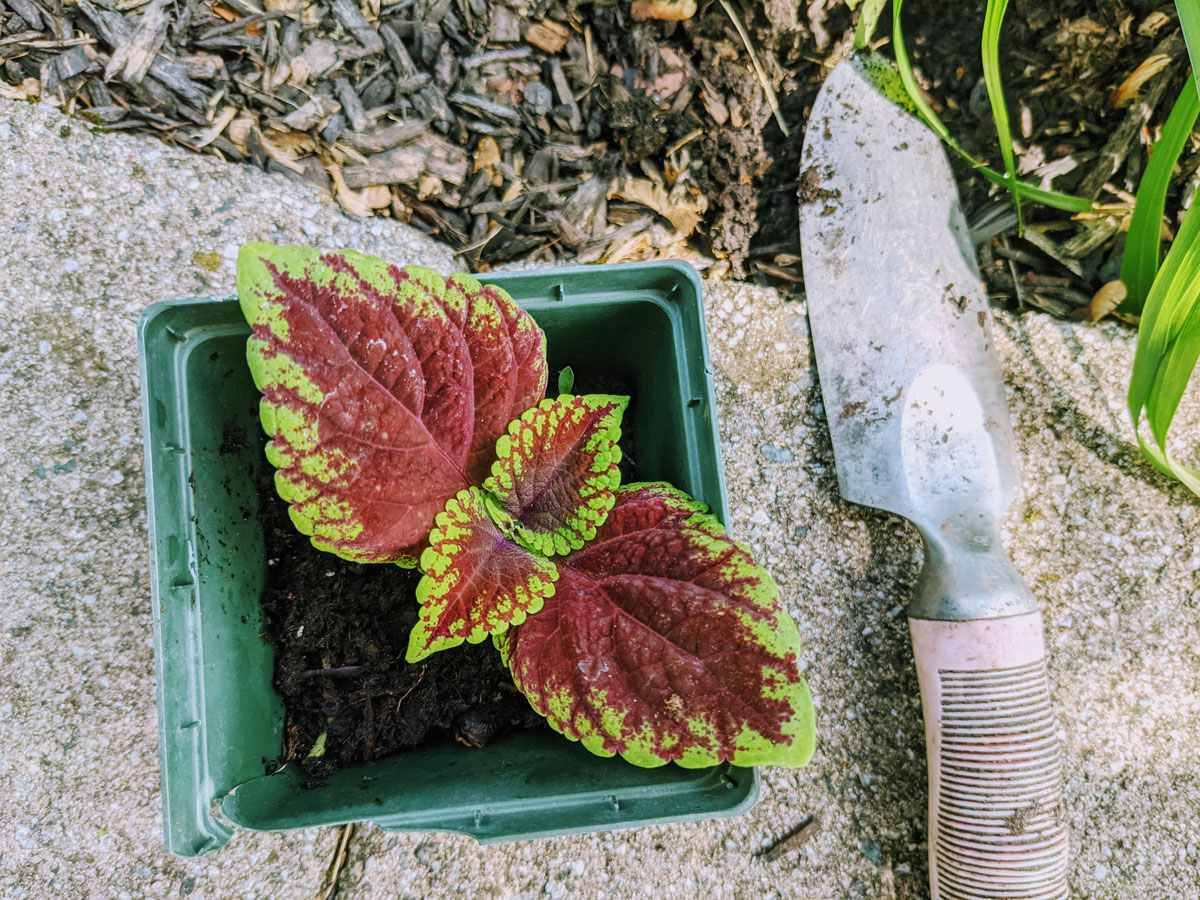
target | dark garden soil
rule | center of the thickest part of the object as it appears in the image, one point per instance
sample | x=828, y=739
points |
x=340, y=631
x=564, y=130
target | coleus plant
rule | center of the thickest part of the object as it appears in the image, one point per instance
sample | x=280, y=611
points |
x=408, y=425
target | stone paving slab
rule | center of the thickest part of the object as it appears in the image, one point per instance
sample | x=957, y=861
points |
x=96, y=227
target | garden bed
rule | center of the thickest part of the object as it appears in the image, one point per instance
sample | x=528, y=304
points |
x=570, y=131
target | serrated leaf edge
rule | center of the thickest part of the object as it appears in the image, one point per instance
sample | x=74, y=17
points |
x=434, y=563
x=597, y=490
x=751, y=748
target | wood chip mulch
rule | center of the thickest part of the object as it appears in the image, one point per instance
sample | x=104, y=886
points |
x=558, y=131
x=572, y=130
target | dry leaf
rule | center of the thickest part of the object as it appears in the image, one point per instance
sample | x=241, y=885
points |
x=377, y=196
x=487, y=154
x=1106, y=300
x=295, y=144
x=29, y=89
x=681, y=208
x=280, y=153
x=627, y=250
x=210, y=134
x=224, y=12
x=1127, y=92
x=547, y=35
x=351, y=201
x=239, y=128
x=663, y=10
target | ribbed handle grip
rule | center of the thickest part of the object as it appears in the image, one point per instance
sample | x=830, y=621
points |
x=997, y=828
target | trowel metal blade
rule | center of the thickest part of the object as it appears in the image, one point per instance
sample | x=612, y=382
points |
x=899, y=318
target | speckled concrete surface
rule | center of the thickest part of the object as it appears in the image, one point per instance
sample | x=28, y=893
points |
x=97, y=227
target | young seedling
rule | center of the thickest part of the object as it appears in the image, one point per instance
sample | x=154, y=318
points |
x=408, y=425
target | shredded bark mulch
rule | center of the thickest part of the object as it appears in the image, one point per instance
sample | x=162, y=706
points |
x=567, y=130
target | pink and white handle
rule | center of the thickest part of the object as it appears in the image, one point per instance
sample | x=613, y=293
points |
x=997, y=828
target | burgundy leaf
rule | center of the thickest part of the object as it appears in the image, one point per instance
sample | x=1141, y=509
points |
x=477, y=580
x=664, y=641
x=556, y=469
x=370, y=376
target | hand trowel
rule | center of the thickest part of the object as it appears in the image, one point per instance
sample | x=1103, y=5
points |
x=917, y=413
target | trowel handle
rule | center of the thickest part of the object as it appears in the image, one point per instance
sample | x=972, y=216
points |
x=997, y=826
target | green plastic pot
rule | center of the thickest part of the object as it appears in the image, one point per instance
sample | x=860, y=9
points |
x=220, y=719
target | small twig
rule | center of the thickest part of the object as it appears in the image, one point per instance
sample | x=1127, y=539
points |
x=798, y=836
x=245, y=7
x=1012, y=270
x=23, y=37
x=780, y=272
x=772, y=100
x=410, y=690
x=684, y=141
x=52, y=45
x=341, y=670
x=339, y=861
x=241, y=23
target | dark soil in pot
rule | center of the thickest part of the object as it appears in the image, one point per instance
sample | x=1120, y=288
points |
x=340, y=631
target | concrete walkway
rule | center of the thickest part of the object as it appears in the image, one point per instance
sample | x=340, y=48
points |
x=95, y=227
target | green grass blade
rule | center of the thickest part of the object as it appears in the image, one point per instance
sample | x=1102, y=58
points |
x=1189, y=23
x=867, y=20
x=1169, y=331
x=1054, y=199
x=993, y=21
x=1168, y=348
x=1140, y=263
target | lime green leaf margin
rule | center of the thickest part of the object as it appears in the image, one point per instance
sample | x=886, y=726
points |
x=691, y=656
x=477, y=580
x=556, y=470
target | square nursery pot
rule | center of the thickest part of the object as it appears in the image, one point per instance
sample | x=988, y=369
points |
x=220, y=719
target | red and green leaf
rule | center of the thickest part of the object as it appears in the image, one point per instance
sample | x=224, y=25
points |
x=384, y=390
x=508, y=352
x=556, y=470
x=477, y=580
x=665, y=642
